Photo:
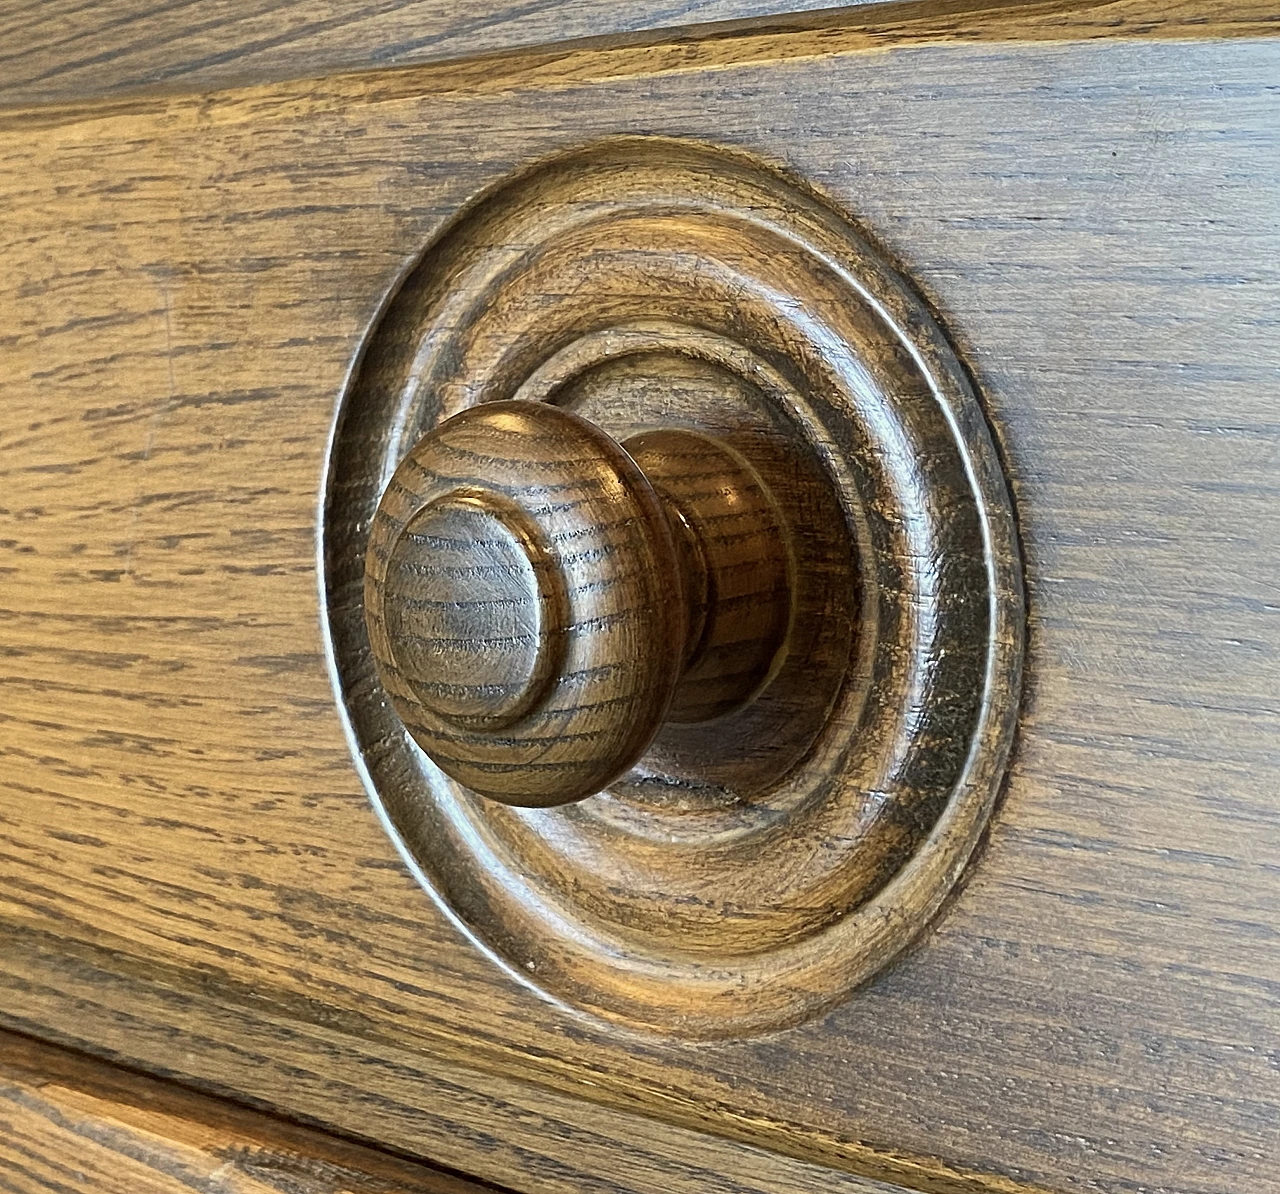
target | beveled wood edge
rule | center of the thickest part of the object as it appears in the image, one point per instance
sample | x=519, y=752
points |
x=132, y=46
x=77, y=1119
x=857, y=29
x=419, y=1096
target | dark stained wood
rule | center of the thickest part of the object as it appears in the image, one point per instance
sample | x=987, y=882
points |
x=565, y=699
x=72, y=1125
x=527, y=1138
x=735, y=568
x=76, y=50
x=192, y=877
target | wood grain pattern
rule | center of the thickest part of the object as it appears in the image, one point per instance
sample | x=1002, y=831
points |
x=602, y=554
x=192, y=877
x=68, y=49
x=48, y=71
x=735, y=566
x=533, y=603
x=527, y=1138
x=741, y=875
x=72, y=1125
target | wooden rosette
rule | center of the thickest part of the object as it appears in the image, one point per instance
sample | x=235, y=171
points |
x=753, y=869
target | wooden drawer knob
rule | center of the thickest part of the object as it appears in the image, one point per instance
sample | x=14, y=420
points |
x=760, y=591
x=541, y=598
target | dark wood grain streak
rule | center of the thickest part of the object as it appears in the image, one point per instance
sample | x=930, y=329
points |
x=73, y=1125
x=185, y=287
x=79, y=48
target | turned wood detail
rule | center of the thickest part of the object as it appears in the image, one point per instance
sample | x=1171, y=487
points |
x=661, y=510
x=540, y=598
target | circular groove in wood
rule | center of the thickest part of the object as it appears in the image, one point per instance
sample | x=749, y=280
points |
x=752, y=870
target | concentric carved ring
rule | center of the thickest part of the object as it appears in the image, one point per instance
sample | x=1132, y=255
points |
x=767, y=854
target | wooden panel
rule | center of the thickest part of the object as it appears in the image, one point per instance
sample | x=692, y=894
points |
x=63, y=49
x=526, y=1138
x=80, y=49
x=187, y=850
x=71, y=1124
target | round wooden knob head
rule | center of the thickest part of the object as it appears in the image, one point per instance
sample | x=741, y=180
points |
x=475, y=609
x=524, y=603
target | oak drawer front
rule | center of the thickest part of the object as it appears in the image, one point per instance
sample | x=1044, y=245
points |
x=194, y=879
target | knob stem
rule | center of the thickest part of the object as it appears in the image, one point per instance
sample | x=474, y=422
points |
x=735, y=568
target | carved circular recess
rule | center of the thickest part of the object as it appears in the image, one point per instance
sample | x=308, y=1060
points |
x=765, y=855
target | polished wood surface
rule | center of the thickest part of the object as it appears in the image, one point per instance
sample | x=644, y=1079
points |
x=536, y=607
x=775, y=843
x=545, y=677
x=735, y=565
x=192, y=875
x=73, y=1125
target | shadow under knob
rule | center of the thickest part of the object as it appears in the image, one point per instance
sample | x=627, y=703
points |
x=537, y=606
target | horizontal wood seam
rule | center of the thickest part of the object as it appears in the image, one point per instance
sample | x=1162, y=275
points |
x=874, y=28
x=163, y=1127
x=103, y=968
